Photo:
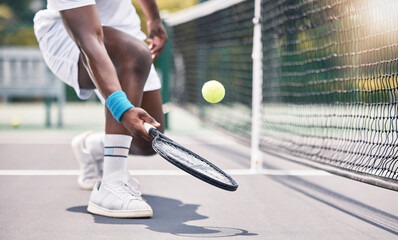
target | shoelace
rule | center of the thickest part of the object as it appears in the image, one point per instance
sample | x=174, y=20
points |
x=126, y=190
x=133, y=185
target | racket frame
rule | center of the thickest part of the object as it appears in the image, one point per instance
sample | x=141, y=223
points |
x=158, y=136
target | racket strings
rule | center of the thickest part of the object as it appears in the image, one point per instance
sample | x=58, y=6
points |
x=183, y=157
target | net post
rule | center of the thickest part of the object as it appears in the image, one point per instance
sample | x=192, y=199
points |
x=257, y=56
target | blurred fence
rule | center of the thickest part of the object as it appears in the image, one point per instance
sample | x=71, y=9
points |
x=16, y=31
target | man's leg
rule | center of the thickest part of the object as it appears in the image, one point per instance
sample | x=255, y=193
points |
x=130, y=57
x=91, y=146
x=152, y=103
x=132, y=60
x=119, y=65
x=130, y=67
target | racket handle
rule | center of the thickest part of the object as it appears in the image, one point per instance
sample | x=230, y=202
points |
x=148, y=127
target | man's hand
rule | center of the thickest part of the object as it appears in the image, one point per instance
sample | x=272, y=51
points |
x=133, y=120
x=157, y=37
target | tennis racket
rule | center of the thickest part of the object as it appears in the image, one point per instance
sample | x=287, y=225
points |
x=189, y=161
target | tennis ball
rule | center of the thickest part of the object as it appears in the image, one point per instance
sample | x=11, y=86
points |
x=213, y=91
x=15, y=122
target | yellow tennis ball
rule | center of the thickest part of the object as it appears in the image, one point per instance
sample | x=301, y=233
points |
x=15, y=122
x=213, y=91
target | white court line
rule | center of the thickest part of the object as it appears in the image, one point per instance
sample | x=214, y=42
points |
x=67, y=141
x=37, y=141
x=233, y=172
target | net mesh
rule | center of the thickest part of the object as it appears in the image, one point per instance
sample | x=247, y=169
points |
x=330, y=84
x=329, y=78
x=217, y=46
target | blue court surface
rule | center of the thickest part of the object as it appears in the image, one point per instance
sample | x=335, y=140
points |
x=40, y=198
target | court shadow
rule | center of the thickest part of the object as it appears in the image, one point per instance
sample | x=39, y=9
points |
x=338, y=201
x=170, y=216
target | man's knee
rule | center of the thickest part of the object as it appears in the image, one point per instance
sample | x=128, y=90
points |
x=137, y=57
x=128, y=53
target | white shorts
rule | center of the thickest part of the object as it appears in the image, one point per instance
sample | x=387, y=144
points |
x=62, y=55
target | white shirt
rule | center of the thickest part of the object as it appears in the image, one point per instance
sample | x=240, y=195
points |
x=119, y=14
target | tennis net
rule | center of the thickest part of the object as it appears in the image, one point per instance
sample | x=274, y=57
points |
x=329, y=86
x=215, y=42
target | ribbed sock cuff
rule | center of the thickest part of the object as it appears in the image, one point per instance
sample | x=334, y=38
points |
x=117, y=140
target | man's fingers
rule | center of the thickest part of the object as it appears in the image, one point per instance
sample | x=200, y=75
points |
x=147, y=118
x=156, y=44
x=157, y=54
x=157, y=39
x=156, y=50
x=152, y=121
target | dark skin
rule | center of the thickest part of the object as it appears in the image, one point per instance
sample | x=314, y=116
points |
x=112, y=60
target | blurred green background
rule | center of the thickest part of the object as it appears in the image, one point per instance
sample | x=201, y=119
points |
x=16, y=24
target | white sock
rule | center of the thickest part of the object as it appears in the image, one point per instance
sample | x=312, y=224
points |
x=95, y=144
x=116, y=151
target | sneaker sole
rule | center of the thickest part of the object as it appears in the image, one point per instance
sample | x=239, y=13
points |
x=95, y=209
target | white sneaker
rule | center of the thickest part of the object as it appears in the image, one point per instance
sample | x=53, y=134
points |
x=90, y=168
x=118, y=196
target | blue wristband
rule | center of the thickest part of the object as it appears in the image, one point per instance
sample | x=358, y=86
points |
x=118, y=104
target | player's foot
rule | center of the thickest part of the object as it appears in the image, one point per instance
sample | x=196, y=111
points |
x=118, y=196
x=90, y=168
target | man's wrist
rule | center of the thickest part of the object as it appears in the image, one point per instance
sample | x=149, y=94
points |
x=118, y=104
x=155, y=20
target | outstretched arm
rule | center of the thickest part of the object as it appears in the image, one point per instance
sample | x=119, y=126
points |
x=84, y=27
x=157, y=36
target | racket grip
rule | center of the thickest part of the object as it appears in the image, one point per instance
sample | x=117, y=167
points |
x=148, y=127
